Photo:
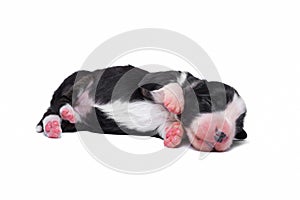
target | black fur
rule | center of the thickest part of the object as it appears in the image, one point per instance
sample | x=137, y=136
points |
x=127, y=83
x=240, y=132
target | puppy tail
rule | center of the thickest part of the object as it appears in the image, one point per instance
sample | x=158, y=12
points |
x=39, y=127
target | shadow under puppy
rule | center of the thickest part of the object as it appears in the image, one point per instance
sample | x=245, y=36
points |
x=129, y=100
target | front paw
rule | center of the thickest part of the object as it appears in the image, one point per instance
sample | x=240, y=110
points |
x=174, y=134
x=171, y=96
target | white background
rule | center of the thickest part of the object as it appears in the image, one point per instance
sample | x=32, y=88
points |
x=255, y=46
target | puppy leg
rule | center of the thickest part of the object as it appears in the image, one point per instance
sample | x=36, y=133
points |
x=172, y=133
x=52, y=126
x=171, y=96
x=62, y=97
x=67, y=113
x=65, y=126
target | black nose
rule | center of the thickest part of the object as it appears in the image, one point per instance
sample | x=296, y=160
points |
x=220, y=136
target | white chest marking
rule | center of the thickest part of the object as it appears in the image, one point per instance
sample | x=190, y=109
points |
x=141, y=115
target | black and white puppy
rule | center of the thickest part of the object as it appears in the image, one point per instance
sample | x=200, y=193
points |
x=129, y=100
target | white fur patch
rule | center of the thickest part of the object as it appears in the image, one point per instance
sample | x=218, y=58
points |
x=181, y=79
x=38, y=128
x=141, y=115
x=235, y=108
x=192, y=129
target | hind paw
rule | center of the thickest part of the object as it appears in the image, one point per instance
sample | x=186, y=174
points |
x=52, y=128
x=67, y=113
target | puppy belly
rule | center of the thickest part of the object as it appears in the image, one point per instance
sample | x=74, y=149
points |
x=142, y=116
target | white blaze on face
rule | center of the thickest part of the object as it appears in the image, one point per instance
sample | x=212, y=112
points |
x=202, y=131
x=235, y=108
x=182, y=78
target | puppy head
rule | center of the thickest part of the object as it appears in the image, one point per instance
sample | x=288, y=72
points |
x=216, y=130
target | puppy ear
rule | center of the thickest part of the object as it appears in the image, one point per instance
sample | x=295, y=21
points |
x=146, y=93
x=241, y=135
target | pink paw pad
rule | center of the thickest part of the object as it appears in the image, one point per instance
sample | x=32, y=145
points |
x=52, y=129
x=67, y=113
x=172, y=105
x=174, y=135
x=173, y=98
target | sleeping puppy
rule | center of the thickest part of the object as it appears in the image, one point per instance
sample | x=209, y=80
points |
x=129, y=100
